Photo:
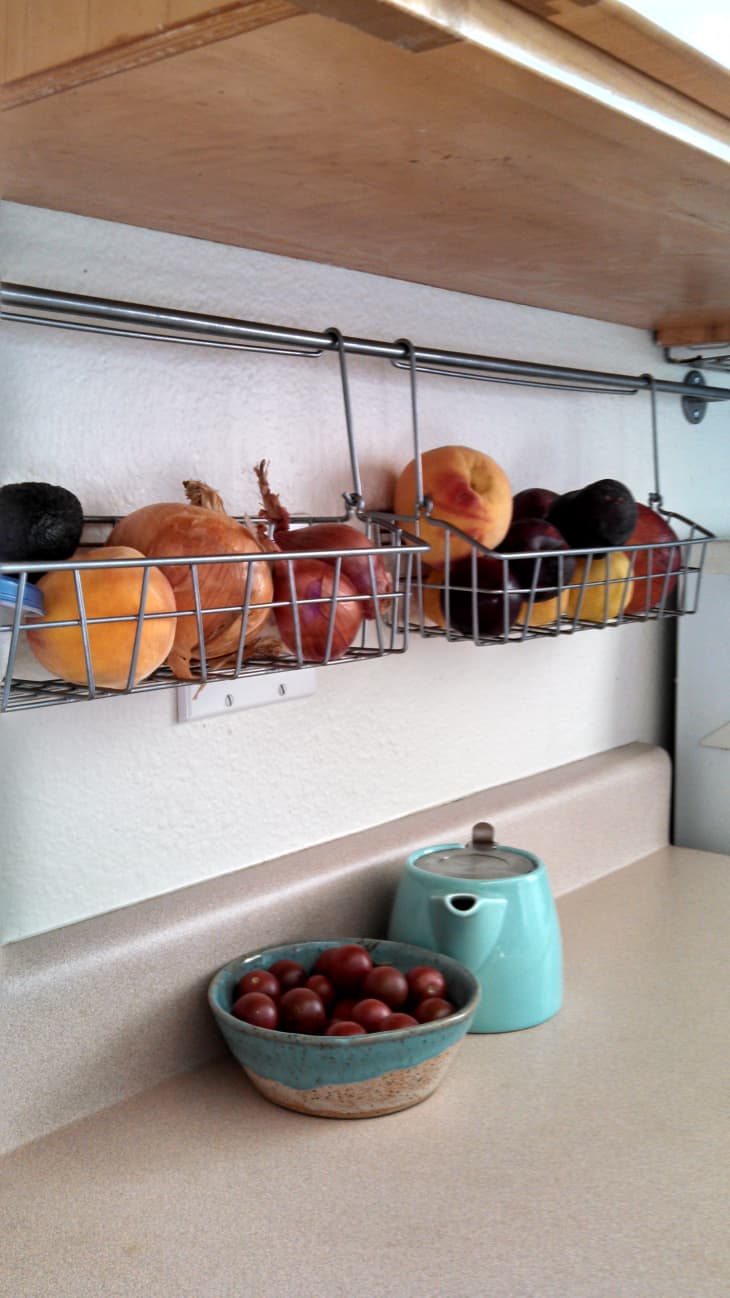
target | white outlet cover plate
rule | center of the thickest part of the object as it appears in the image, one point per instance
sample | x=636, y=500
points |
x=221, y=698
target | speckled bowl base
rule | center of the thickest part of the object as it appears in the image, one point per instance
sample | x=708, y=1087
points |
x=388, y=1093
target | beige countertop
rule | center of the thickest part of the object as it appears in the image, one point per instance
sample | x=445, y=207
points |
x=585, y=1158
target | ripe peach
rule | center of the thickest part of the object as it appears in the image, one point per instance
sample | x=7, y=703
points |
x=107, y=592
x=469, y=490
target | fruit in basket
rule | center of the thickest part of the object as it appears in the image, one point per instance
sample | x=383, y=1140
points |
x=540, y=538
x=650, y=590
x=533, y=502
x=482, y=600
x=609, y=591
x=469, y=491
x=601, y=515
x=197, y=529
x=367, y=573
x=107, y=592
x=544, y=614
x=38, y=521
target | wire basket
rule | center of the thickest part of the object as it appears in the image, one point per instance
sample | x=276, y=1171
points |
x=376, y=623
x=489, y=597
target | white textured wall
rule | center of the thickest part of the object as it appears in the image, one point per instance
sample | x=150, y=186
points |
x=105, y=803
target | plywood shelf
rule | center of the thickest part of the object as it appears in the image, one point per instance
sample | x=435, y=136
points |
x=323, y=136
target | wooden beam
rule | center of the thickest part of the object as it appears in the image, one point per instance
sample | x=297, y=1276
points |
x=510, y=32
x=694, y=330
x=101, y=49
x=617, y=30
x=382, y=19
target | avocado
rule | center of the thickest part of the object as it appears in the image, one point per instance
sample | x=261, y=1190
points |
x=38, y=521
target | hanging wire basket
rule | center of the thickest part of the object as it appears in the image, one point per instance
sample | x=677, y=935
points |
x=472, y=593
x=350, y=623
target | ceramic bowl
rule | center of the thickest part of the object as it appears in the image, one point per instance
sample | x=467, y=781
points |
x=346, y=1077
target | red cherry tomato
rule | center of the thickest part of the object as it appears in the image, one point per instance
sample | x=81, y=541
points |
x=370, y=1012
x=259, y=980
x=348, y=965
x=387, y=984
x=344, y=1028
x=289, y=973
x=342, y=1011
x=257, y=1009
x=302, y=1011
x=322, y=963
x=397, y=1020
x=433, y=1007
x=425, y=981
x=320, y=984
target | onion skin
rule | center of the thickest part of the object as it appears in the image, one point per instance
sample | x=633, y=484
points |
x=178, y=530
x=329, y=536
x=313, y=580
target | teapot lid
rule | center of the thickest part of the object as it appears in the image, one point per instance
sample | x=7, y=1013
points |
x=480, y=859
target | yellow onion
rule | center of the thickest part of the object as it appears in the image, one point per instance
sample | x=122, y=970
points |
x=172, y=530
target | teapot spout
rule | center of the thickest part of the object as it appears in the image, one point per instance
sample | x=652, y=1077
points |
x=466, y=927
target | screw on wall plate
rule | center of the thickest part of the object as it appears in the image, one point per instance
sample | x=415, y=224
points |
x=228, y=700
x=695, y=408
x=282, y=688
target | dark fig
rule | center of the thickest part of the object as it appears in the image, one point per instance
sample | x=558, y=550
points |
x=552, y=572
x=533, y=502
x=602, y=515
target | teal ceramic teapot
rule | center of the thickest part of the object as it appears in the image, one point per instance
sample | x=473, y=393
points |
x=491, y=908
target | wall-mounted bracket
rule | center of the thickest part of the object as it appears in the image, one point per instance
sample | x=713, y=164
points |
x=694, y=408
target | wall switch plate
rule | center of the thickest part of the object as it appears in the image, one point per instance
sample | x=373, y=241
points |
x=220, y=698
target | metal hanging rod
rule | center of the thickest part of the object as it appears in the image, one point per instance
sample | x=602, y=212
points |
x=224, y=331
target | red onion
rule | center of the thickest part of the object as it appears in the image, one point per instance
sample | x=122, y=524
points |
x=367, y=573
x=315, y=580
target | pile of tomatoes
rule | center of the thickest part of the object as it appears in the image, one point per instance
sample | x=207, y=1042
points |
x=345, y=995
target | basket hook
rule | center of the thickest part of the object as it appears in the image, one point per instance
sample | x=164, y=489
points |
x=353, y=499
x=424, y=504
x=655, y=496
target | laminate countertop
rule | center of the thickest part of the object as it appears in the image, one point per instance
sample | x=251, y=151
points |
x=588, y=1157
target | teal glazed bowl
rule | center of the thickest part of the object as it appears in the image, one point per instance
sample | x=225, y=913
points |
x=346, y=1077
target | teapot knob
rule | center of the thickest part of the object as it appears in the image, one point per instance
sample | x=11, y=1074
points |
x=482, y=836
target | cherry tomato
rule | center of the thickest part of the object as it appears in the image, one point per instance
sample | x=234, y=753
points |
x=387, y=984
x=289, y=973
x=302, y=1011
x=345, y=1028
x=348, y=965
x=342, y=1011
x=258, y=1009
x=259, y=980
x=322, y=963
x=433, y=1007
x=320, y=984
x=370, y=1012
x=424, y=980
x=395, y=1021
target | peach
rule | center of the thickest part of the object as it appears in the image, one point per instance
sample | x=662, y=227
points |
x=107, y=592
x=469, y=491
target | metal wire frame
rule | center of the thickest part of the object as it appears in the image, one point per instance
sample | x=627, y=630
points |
x=99, y=315
x=468, y=599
